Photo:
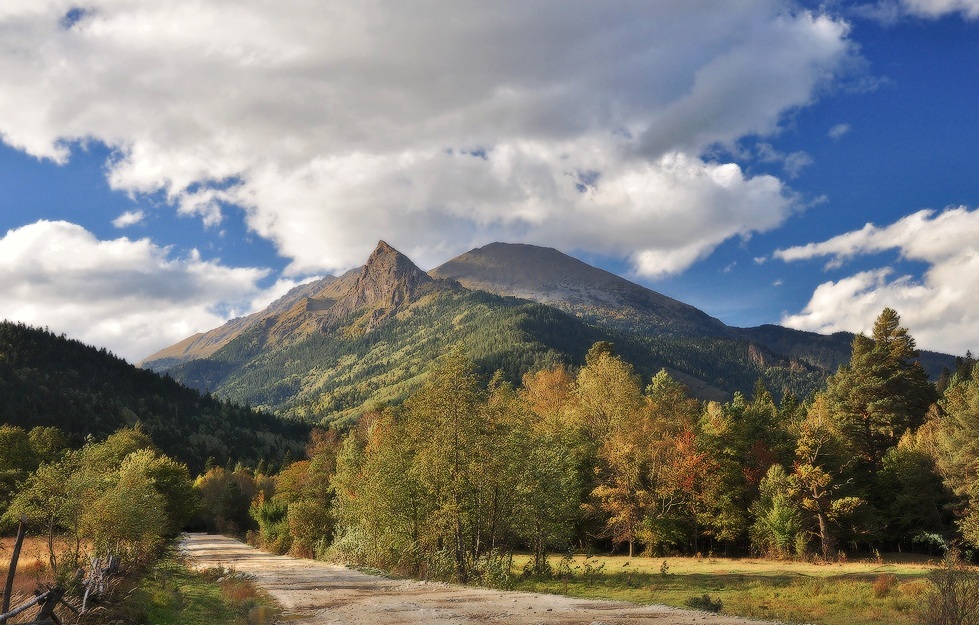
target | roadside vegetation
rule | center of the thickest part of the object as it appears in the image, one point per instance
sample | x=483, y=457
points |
x=467, y=472
x=98, y=515
x=173, y=594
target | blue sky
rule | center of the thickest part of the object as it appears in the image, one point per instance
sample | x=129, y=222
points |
x=165, y=168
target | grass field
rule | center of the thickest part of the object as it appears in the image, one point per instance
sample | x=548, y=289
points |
x=851, y=593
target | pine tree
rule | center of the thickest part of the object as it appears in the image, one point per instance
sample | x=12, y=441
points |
x=882, y=393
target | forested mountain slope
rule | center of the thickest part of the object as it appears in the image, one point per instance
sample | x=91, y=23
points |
x=48, y=380
x=329, y=358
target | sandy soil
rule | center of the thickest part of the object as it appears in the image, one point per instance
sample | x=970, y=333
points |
x=318, y=593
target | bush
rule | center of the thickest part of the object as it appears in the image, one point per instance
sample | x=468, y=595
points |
x=495, y=570
x=954, y=599
x=883, y=585
x=704, y=602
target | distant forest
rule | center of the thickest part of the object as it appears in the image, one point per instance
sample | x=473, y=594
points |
x=49, y=380
x=334, y=376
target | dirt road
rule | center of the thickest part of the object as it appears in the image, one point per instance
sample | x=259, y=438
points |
x=317, y=593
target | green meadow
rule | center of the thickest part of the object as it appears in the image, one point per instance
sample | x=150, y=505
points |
x=842, y=593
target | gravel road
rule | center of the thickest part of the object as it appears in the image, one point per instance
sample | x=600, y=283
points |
x=317, y=593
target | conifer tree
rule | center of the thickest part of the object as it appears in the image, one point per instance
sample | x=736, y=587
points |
x=882, y=393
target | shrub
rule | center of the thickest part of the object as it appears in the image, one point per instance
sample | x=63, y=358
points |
x=954, y=599
x=883, y=585
x=704, y=602
x=495, y=569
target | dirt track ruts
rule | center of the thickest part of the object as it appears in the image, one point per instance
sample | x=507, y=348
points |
x=318, y=593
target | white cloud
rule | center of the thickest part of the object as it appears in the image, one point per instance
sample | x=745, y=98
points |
x=128, y=218
x=938, y=8
x=793, y=163
x=890, y=11
x=335, y=125
x=837, y=131
x=941, y=308
x=127, y=295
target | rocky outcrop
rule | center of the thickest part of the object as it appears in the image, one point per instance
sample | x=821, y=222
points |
x=386, y=283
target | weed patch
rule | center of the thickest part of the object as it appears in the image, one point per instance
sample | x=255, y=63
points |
x=704, y=602
x=173, y=594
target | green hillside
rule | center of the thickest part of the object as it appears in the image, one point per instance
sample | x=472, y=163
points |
x=334, y=375
x=48, y=380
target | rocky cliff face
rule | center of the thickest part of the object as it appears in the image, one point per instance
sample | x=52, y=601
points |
x=386, y=283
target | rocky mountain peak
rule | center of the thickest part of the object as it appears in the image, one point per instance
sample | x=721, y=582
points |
x=388, y=281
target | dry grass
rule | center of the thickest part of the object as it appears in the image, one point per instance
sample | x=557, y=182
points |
x=32, y=567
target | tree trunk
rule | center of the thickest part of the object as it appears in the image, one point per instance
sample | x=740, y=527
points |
x=8, y=588
x=826, y=538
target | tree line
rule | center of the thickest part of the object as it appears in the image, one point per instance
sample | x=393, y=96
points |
x=465, y=471
x=52, y=381
x=119, y=497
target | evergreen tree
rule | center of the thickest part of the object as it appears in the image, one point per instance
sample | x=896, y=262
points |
x=956, y=448
x=882, y=393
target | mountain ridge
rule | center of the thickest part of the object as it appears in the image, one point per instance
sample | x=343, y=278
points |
x=548, y=276
x=333, y=346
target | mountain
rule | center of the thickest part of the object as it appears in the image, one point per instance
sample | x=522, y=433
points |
x=48, y=380
x=388, y=280
x=332, y=355
x=203, y=344
x=330, y=349
x=550, y=277
x=545, y=275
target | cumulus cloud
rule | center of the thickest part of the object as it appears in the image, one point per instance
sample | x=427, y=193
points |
x=941, y=307
x=128, y=295
x=436, y=126
x=128, y=218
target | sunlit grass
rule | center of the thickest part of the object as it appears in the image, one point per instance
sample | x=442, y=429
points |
x=32, y=567
x=172, y=594
x=850, y=593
